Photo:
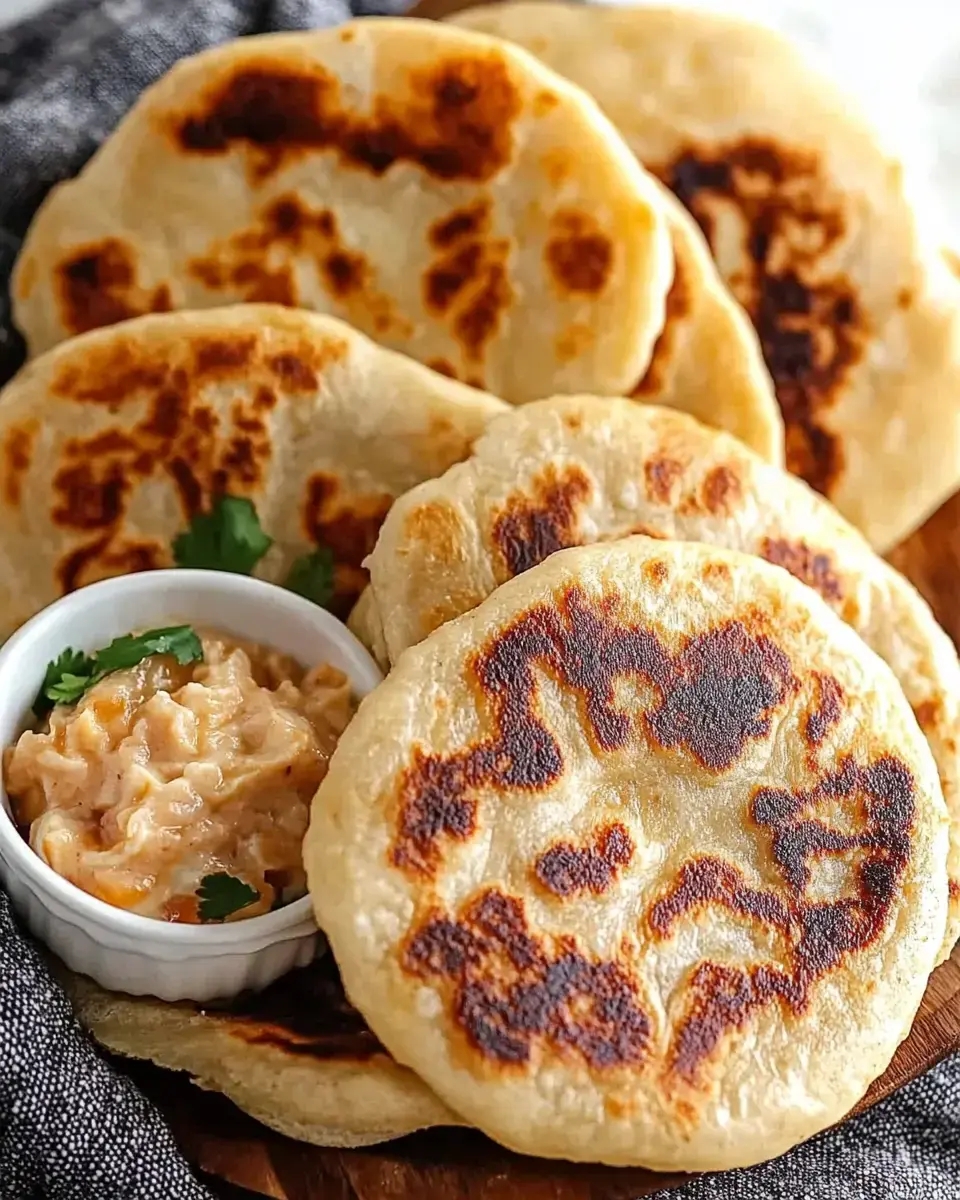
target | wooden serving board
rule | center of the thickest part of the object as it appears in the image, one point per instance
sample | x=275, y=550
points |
x=456, y=1164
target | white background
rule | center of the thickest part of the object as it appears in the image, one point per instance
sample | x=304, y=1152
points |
x=900, y=57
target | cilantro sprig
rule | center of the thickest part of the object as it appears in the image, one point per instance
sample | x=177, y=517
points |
x=222, y=894
x=73, y=673
x=230, y=538
x=227, y=538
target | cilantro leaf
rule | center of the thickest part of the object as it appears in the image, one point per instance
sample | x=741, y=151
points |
x=222, y=894
x=227, y=538
x=311, y=576
x=71, y=665
x=73, y=673
x=179, y=640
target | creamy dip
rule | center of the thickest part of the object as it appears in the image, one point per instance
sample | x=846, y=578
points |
x=164, y=775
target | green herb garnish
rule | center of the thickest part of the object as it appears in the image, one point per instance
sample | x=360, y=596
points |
x=230, y=538
x=73, y=673
x=223, y=894
x=311, y=576
x=64, y=681
x=227, y=538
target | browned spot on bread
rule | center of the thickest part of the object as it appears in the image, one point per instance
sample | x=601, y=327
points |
x=905, y=298
x=558, y=163
x=721, y=490
x=819, y=935
x=166, y=432
x=348, y=522
x=97, y=285
x=444, y=281
x=258, y=264
x=109, y=556
x=566, y=869
x=656, y=571
x=715, y=572
x=719, y=693
x=18, y=446
x=828, y=711
x=346, y=273
x=437, y=527
x=543, y=103
x=573, y=341
x=660, y=475
x=293, y=373
x=442, y=366
x=213, y=355
x=813, y=567
x=454, y=119
x=806, y=311
x=716, y=693
x=679, y=304
x=542, y=518
x=468, y=284
x=929, y=714
x=705, y=881
x=93, y=481
x=306, y=1014
x=511, y=994
x=469, y=221
x=578, y=253
x=480, y=319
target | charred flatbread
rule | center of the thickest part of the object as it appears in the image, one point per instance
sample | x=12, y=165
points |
x=642, y=861
x=112, y=442
x=445, y=193
x=811, y=226
x=575, y=470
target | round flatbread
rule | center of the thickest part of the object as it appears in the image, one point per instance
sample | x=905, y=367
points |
x=811, y=226
x=574, y=470
x=444, y=192
x=641, y=861
x=296, y=1057
x=112, y=442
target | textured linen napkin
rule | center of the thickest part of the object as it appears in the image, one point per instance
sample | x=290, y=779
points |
x=70, y=1127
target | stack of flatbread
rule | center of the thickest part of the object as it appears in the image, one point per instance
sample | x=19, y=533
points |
x=551, y=327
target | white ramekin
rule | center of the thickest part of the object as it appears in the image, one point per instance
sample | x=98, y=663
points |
x=119, y=949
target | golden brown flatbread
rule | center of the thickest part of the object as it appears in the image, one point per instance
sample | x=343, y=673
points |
x=811, y=226
x=111, y=442
x=643, y=860
x=574, y=470
x=444, y=193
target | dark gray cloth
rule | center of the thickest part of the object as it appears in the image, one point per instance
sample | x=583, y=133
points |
x=70, y=1128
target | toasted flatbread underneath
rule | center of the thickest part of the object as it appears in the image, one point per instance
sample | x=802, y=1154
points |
x=296, y=1057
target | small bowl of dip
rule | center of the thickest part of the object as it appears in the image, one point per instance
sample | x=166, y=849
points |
x=157, y=778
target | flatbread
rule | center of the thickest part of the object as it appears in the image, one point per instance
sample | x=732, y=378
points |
x=296, y=1057
x=707, y=360
x=811, y=225
x=641, y=861
x=445, y=193
x=575, y=470
x=112, y=441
